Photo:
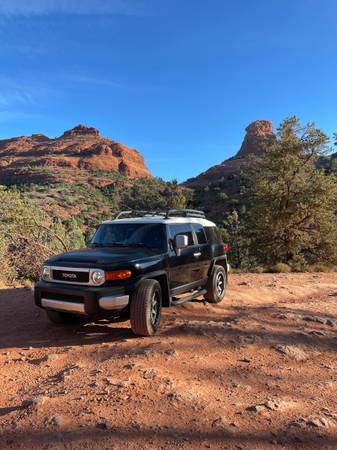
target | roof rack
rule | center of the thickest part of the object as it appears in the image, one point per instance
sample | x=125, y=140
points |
x=138, y=213
x=165, y=214
x=184, y=213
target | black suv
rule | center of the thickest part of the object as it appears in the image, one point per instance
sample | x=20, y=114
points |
x=135, y=265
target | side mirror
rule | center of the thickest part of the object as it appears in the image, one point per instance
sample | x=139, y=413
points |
x=180, y=242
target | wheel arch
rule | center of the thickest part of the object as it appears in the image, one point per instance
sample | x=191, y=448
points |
x=219, y=261
x=162, y=279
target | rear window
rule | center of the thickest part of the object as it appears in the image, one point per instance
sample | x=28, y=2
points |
x=181, y=228
x=213, y=235
x=200, y=233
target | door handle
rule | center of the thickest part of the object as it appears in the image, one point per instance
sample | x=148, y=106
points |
x=197, y=254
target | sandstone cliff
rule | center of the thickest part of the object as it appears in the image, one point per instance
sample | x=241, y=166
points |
x=77, y=153
x=257, y=135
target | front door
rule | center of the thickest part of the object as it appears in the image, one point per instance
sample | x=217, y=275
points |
x=181, y=267
x=185, y=270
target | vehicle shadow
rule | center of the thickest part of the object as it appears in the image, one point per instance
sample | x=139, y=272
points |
x=90, y=437
x=22, y=325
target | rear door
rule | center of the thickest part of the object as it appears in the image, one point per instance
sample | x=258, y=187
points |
x=202, y=251
x=181, y=267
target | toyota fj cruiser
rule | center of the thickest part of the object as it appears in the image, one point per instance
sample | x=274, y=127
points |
x=135, y=265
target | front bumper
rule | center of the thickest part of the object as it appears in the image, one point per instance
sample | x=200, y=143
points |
x=80, y=299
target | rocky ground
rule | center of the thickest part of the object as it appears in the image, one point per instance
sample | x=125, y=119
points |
x=256, y=372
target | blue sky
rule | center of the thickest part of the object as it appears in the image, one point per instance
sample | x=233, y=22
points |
x=177, y=79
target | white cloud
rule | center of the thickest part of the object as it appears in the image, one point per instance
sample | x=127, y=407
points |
x=14, y=97
x=13, y=93
x=79, y=7
x=8, y=116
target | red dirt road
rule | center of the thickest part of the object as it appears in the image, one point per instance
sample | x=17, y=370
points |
x=258, y=371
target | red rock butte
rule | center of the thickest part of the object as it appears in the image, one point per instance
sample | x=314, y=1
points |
x=258, y=134
x=38, y=158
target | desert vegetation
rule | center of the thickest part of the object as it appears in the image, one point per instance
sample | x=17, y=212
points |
x=278, y=214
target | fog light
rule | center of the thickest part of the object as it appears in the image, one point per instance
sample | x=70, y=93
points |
x=46, y=273
x=97, y=276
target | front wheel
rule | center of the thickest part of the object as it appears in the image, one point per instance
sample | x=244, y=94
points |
x=145, y=308
x=216, y=285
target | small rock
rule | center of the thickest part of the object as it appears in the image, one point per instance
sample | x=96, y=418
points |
x=318, y=422
x=316, y=319
x=149, y=374
x=105, y=425
x=57, y=421
x=292, y=351
x=129, y=366
x=281, y=316
x=170, y=352
x=51, y=357
x=256, y=408
x=35, y=401
x=218, y=422
x=317, y=333
x=136, y=426
x=273, y=405
x=174, y=396
x=245, y=360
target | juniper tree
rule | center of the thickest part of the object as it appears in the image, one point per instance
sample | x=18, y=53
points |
x=292, y=218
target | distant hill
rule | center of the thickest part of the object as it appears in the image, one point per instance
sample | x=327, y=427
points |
x=258, y=134
x=76, y=155
x=83, y=175
x=218, y=189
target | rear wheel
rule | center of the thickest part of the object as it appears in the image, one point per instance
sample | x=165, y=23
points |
x=145, y=311
x=60, y=317
x=216, y=285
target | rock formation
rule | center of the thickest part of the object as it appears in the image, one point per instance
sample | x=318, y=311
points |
x=77, y=153
x=258, y=134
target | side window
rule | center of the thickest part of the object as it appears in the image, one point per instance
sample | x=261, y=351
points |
x=181, y=228
x=200, y=233
x=213, y=235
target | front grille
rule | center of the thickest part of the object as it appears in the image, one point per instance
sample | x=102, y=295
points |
x=71, y=276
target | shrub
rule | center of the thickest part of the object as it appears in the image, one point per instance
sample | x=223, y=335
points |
x=280, y=268
x=321, y=267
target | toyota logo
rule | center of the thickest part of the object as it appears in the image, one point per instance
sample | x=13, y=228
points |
x=69, y=275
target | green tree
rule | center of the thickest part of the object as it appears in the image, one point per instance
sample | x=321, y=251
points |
x=28, y=236
x=292, y=218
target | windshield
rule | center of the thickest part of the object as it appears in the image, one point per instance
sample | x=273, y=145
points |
x=149, y=235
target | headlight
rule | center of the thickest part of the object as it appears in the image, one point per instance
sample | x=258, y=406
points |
x=98, y=276
x=46, y=273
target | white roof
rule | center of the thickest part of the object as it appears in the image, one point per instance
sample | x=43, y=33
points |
x=161, y=219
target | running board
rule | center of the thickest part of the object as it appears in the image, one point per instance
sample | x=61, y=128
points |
x=189, y=298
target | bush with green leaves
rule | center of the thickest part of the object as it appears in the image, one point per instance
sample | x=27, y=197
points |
x=292, y=205
x=28, y=236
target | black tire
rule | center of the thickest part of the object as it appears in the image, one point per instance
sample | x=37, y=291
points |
x=61, y=317
x=145, y=311
x=216, y=285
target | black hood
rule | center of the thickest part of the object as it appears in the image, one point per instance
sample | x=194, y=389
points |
x=102, y=255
